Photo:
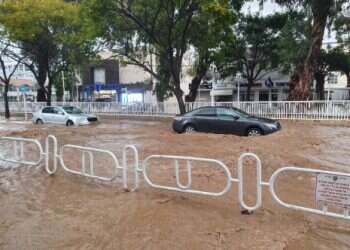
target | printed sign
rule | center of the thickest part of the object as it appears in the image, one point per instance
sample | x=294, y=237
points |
x=24, y=88
x=333, y=190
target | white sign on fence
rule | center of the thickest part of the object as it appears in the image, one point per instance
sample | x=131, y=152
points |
x=333, y=190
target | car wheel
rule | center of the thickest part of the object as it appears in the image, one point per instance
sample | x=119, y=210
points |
x=69, y=123
x=189, y=129
x=254, y=132
x=39, y=121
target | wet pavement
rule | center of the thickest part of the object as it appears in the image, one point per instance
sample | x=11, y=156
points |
x=70, y=212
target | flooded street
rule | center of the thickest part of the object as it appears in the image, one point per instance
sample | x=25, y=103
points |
x=72, y=212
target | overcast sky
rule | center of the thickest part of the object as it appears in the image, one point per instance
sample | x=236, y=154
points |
x=269, y=7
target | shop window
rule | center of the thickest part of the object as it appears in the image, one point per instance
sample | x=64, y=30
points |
x=132, y=98
x=332, y=78
x=274, y=95
x=264, y=96
x=100, y=75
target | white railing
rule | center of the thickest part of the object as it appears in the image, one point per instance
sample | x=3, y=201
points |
x=339, y=194
x=293, y=110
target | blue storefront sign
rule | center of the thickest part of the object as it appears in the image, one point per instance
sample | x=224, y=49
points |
x=24, y=88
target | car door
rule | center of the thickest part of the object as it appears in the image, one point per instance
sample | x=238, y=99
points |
x=58, y=116
x=205, y=119
x=228, y=121
x=46, y=114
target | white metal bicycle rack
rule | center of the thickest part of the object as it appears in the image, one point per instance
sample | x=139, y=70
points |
x=18, y=145
x=52, y=151
x=87, y=169
x=271, y=184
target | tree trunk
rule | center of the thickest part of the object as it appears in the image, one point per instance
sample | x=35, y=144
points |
x=249, y=89
x=320, y=80
x=179, y=97
x=41, y=94
x=42, y=75
x=196, y=81
x=49, y=92
x=6, y=102
x=302, y=79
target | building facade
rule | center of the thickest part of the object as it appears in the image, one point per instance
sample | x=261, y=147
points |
x=109, y=81
x=22, y=79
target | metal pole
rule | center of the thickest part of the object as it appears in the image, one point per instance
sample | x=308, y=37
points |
x=25, y=107
x=64, y=87
x=328, y=95
x=239, y=92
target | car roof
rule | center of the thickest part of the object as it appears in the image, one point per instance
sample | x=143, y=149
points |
x=66, y=106
x=213, y=107
x=51, y=107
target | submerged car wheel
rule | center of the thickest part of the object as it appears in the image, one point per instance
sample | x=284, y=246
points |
x=189, y=129
x=39, y=121
x=69, y=123
x=254, y=132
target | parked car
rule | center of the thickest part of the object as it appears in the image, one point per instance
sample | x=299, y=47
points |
x=224, y=120
x=67, y=115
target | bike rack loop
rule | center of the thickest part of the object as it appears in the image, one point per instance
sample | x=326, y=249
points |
x=47, y=154
x=324, y=211
x=89, y=151
x=186, y=188
x=18, y=150
x=259, y=182
x=135, y=168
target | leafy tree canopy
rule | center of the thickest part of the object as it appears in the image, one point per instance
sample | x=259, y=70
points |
x=48, y=32
x=140, y=29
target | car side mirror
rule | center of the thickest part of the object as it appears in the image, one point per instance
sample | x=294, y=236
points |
x=235, y=117
x=60, y=113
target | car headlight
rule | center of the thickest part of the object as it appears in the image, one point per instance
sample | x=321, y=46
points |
x=178, y=118
x=271, y=125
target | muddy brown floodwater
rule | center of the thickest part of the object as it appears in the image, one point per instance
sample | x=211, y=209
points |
x=70, y=212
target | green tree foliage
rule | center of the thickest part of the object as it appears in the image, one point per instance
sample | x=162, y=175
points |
x=48, y=33
x=333, y=60
x=70, y=79
x=164, y=30
x=319, y=14
x=293, y=42
x=214, y=29
x=255, y=52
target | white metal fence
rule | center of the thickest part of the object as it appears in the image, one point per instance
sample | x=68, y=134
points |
x=326, y=209
x=301, y=110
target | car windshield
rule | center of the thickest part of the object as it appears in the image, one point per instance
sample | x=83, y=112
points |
x=72, y=110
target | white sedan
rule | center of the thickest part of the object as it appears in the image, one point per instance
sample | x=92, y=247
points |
x=67, y=115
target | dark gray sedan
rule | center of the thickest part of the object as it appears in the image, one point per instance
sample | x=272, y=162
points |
x=224, y=120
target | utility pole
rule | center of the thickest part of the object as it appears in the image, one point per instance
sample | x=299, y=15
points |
x=64, y=87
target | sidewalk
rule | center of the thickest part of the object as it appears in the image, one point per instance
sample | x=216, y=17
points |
x=14, y=120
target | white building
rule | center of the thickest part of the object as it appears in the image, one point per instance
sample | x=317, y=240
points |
x=22, y=78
